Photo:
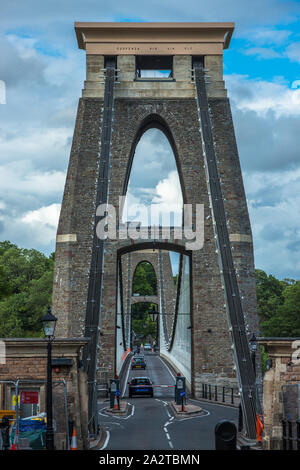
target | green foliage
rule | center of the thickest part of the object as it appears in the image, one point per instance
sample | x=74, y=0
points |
x=175, y=279
x=269, y=294
x=264, y=358
x=144, y=281
x=278, y=305
x=141, y=321
x=26, y=278
x=286, y=321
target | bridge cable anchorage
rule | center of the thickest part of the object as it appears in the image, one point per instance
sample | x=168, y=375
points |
x=244, y=367
x=94, y=304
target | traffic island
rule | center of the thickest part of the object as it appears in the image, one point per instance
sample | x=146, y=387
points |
x=190, y=410
x=121, y=411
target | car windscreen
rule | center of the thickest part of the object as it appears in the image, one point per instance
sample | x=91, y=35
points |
x=140, y=382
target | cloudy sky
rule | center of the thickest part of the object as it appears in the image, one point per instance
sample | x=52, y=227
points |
x=43, y=73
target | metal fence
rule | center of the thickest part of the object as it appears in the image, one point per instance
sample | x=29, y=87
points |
x=220, y=394
x=290, y=435
x=60, y=406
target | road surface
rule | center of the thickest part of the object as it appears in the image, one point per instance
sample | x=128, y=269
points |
x=151, y=424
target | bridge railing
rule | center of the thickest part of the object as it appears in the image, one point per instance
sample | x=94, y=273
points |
x=290, y=435
x=220, y=394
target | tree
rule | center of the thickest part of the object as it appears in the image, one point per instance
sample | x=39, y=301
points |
x=269, y=292
x=286, y=321
x=141, y=321
x=26, y=278
x=144, y=280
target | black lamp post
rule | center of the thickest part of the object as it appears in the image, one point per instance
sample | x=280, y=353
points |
x=49, y=323
x=154, y=316
x=253, y=347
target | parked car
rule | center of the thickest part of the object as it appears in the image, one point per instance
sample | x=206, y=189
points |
x=138, y=362
x=147, y=347
x=140, y=386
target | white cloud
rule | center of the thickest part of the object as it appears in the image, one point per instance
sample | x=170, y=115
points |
x=33, y=229
x=164, y=199
x=45, y=216
x=44, y=74
x=293, y=52
x=34, y=144
x=169, y=196
x=269, y=37
x=25, y=46
x=274, y=207
x=262, y=96
x=21, y=178
x=263, y=52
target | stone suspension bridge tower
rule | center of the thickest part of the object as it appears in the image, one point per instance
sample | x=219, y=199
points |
x=214, y=308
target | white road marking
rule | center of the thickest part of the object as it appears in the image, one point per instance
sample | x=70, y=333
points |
x=167, y=434
x=106, y=440
x=118, y=417
x=132, y=412
x=194, y=417
x=99, y=412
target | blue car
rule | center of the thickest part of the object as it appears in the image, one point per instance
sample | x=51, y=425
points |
x=140, y=386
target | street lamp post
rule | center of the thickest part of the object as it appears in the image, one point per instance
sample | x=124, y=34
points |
x=154, y=316
x=49, y=323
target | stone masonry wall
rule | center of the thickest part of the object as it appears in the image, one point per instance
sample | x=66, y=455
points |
x=26, y=360
x=211, y=343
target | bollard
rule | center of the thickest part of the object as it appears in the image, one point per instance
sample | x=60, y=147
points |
x=240, y=425
x=182, y=394
x=118, y=398
x=225, y=435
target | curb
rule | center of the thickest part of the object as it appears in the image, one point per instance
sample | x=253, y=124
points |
x=212, y=402
x=100, y=441
x=121, y=412
x=180, y=414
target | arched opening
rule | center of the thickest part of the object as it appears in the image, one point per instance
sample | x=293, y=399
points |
x=153, y=189
x=143, y=329
x=170, y=331
x=144, y=280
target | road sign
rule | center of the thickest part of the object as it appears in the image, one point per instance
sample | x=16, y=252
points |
x=182, y=394
x=118, y=393
x=29, y=397
x=179, y=383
